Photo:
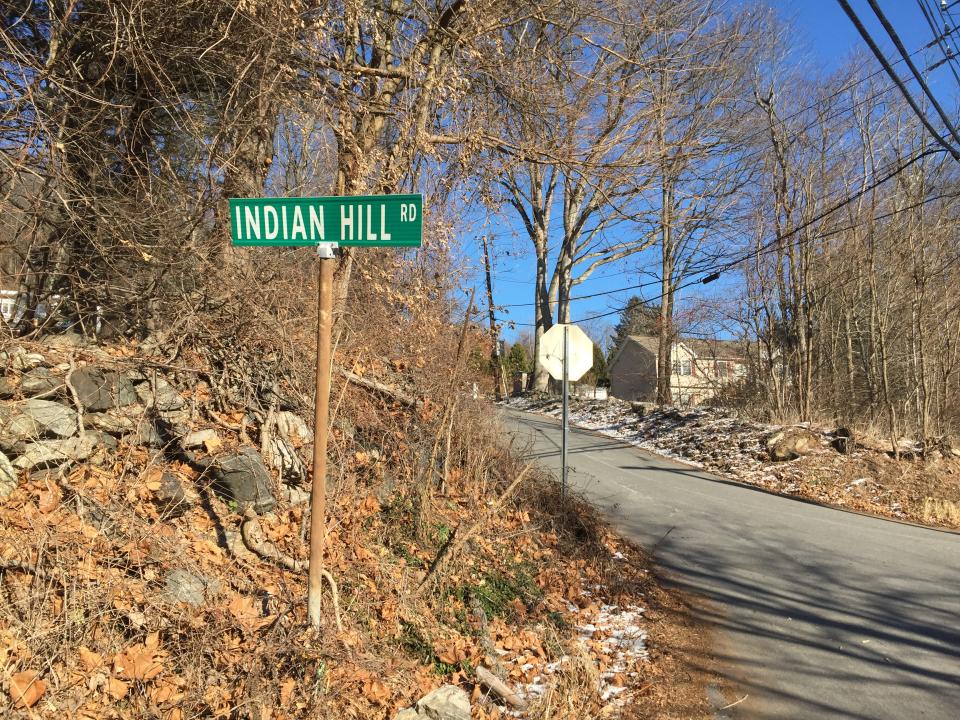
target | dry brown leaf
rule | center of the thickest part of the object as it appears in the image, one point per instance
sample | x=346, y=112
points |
x=377, y=692
x=26, y=688
x=117, y=688
x=48, y=500
x=90, y=659
x=154, y=479
x=286, y=691
x=138, y=662
x=247, y=612
x=212, y=444
x=165, y=692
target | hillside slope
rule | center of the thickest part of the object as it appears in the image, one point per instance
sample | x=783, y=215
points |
x=152, y=555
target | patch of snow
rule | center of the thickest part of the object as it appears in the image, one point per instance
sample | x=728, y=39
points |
x=613, y=632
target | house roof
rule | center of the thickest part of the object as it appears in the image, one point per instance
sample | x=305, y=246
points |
x=648, y=342
x=729, y=349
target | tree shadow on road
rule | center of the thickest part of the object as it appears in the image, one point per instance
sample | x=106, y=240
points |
x=814, y=633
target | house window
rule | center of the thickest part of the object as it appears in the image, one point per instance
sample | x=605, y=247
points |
x=681, y=367
x=722, y=369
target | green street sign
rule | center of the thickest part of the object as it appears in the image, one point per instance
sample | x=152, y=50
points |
x=362, y=220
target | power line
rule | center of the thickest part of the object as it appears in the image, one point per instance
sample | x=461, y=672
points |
x=764, y=250
x=771, y=245
x=712, y=272
x=886, y=66
x=896, y=78
x=940, y=39
x=516, y=234
x=892, y=32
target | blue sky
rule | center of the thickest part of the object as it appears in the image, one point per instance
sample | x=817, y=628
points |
x=828, y=39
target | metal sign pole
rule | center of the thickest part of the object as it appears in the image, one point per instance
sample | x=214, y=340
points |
x=318, y=493
x=566, y=408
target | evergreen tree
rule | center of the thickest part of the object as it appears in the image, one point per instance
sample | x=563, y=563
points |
x=637, y=318
x=517, y=360
x=597, y=375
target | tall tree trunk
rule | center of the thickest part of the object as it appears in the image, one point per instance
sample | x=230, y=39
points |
x=665, y=333
x=543, y=319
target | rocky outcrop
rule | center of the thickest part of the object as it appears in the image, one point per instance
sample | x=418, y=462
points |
x=163, y=399
x=8, y=476
x=42, y=418
x=57, y=413
x=45, y=453
x=447, y=702
x=190, y=587
x=170, y=497
x=118, y=421
x=41, y=381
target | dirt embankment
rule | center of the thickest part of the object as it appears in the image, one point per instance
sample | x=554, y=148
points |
x=152, y=548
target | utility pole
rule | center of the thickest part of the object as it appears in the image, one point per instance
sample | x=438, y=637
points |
x=498, y=373
x=566, y=409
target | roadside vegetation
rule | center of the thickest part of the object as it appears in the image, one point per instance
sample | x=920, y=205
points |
x=137, y=582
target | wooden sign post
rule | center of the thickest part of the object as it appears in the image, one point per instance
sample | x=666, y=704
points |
x=371, y=221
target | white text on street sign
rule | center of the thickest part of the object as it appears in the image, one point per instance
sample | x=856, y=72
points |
x=368, y=220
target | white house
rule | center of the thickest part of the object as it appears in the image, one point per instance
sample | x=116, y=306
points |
x=699, y=369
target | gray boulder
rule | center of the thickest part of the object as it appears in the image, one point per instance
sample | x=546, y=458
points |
x=100, y=389
x=171, y=498
x=791, y=443
x=106, y=440
x=119, y=420
x=8, y=477
x=24, y=361
x=145, y=434
x=35, y=418
x=39, y=381
x=66, y=340
x=190, y=587
x=166, y=401
x=198, y=438
x=447, y=702
x=243, y=478
x=44, y=453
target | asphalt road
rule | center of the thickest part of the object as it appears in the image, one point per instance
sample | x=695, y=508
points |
x=820, y=613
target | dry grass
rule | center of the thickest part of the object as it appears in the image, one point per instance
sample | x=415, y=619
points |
x=941, y=512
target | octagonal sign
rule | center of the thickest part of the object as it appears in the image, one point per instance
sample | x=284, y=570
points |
x=580, y=349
